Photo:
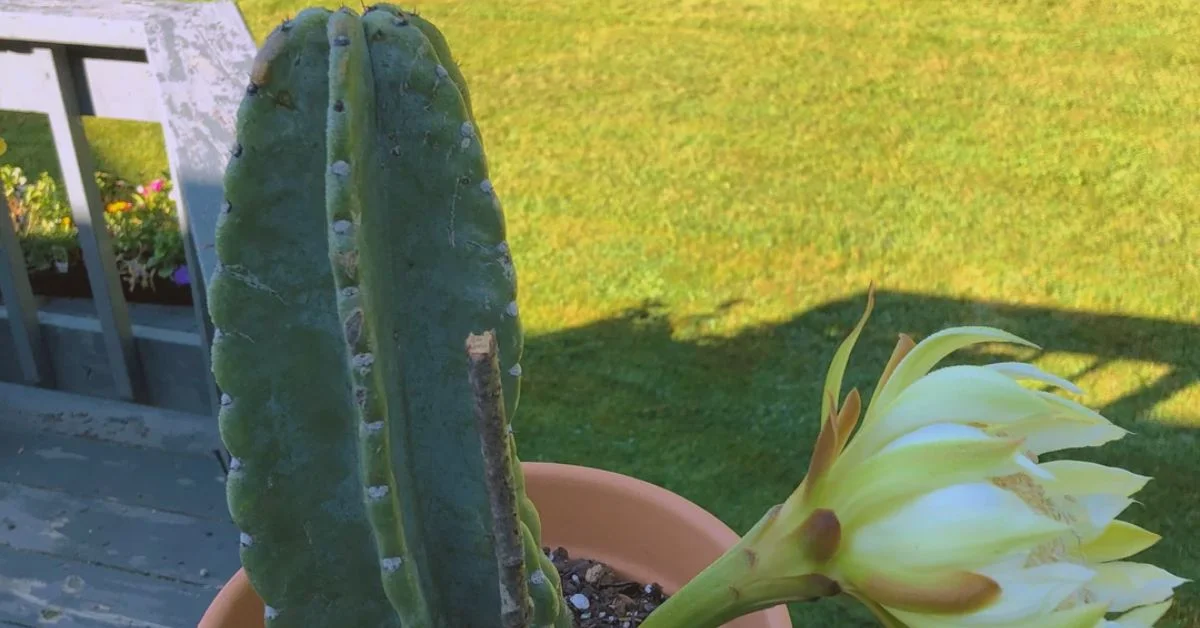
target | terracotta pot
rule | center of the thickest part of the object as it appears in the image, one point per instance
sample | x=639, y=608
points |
x=644, y=532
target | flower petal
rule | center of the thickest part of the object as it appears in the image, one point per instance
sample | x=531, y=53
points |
x=1101, y=510
x=955, y=394
x=940, y=432
x=847, y=417
x=928, y=353
x=926, y=460
x=1120, y=539
x=964, y=526
x=1073, y=409
x=1142, y=617
x=832, y=391
x=1030, y=592
x=1085, y=616
x=1044, y=434
x=1023, y=371
x=904, y=345
x=1075, y=477
x=1124, y=585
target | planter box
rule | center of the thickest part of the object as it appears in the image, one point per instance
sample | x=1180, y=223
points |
x=73, y=284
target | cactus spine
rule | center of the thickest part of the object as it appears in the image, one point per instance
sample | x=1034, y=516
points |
x=360, y=245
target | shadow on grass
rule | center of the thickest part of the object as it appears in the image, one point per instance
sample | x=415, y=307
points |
x=729, y=422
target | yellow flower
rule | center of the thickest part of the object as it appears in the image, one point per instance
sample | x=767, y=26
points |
x=66, y=222
x=3, y=146
x=118, y=206
x=938, y=513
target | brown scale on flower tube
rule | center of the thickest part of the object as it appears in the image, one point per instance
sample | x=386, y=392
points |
x=955, y=593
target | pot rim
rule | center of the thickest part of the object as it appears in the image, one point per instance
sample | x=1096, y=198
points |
x=237, y=596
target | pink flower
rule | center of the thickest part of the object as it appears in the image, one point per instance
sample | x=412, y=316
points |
x=156, y=185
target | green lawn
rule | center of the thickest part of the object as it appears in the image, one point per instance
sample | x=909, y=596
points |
x=699, y=193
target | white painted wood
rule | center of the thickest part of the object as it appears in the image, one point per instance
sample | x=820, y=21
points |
x=203, y=68
x=87, y=211
x=108, y=87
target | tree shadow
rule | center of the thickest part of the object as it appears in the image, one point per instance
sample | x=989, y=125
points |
x=729, y=422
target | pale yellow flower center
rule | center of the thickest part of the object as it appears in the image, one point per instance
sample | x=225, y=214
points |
x=1059, y=550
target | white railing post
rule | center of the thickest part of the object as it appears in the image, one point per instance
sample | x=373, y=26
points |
x=22, y=308
x=182, y=64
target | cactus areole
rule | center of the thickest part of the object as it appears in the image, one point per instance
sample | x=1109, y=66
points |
x=360, y=246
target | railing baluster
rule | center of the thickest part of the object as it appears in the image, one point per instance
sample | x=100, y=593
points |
x=86, y=208
x=21, y=306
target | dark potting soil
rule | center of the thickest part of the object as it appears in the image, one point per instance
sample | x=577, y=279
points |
x=600, y=599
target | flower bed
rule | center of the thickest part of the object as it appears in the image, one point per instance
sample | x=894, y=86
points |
x=141, y=222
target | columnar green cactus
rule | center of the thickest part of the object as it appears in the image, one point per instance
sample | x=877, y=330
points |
x=360, y=244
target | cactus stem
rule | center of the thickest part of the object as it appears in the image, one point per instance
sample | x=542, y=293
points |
x=516, y=605
x=348, y=122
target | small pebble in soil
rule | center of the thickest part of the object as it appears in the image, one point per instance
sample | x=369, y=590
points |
x=598, y=598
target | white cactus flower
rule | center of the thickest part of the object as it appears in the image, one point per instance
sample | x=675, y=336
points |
x=938, y=513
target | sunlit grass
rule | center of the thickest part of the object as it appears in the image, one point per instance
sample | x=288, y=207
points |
x=749, y=167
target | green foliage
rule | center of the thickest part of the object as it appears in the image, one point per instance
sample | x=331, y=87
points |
x=141, y=220
x=41, y=217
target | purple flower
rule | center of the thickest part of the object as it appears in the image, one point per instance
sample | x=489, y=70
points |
x=180, y=276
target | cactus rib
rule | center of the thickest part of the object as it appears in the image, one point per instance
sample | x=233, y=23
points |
x=349, y=118
x=279, y=356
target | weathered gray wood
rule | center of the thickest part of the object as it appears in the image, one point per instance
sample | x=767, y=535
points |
x=21, y=307
x=176, y=375
x=117, y=535
x=94, y=23
x=199, y=54
x=77, y=167
x=38, y=590
x=203, y=68
x=110, y=82
x=24, y=409
x=190, y=484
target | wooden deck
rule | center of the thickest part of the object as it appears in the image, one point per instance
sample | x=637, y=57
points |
x=110, y=514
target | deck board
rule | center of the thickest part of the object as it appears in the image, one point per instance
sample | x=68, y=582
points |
x=110, y=514
x=113, y=534
x=187, y=484
x=38, y=590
